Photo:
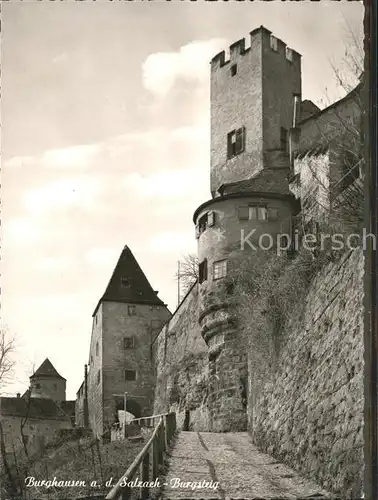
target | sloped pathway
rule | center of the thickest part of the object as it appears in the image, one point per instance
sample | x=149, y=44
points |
x=235, y=463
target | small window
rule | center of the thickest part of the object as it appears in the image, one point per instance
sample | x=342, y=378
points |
x=125, y=283
x=233, y=70
x=220, y=269
x=289, y=54
x=202, y=223
x=235, y=142
x=272, y=214
x=130, y=375
x=131, y=310
x=37, y=386
x=244, y=212
x=202, y=271
x=128, y=342
x=95, y=320
x=283, y=139
x=55, y=387
x=98, y=377
x=262, y=213
x=273, y=43
x=253, y=213
x=210, y=218
x=97, y=349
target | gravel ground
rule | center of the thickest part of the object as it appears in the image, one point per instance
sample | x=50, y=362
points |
x=235, y=463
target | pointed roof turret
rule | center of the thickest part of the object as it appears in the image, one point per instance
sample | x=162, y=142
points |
x=46, y=370
x=128, y=283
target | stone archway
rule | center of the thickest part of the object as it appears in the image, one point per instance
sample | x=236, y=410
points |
x=132, y=407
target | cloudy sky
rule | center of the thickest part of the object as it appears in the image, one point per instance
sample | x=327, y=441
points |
x=105, y=142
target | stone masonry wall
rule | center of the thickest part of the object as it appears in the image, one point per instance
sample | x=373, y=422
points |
x=310, y=413
x=182, y=366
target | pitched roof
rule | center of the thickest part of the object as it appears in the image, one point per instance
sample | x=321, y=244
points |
x=46, y=370
x=32, y=408
x=129, y=283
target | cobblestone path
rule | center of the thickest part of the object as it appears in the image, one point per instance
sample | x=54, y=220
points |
x=235, y=463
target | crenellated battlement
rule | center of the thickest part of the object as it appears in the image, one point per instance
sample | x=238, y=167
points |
x=265, y=37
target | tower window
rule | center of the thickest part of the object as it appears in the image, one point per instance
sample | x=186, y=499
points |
x=98, y=377
x=235, y=142
x=273, y=43
x=97, y=349
x=220, y=269
x=289, y=54
x=253, y=212
x=202, y=271
x=128, y=342
x=131, y=310
x=233, y=70
x=272, y=214
x=283, y=139
x=130, y=375
x=202, y=224
x=125, y=283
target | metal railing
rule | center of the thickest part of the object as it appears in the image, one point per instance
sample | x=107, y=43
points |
x=148, y=461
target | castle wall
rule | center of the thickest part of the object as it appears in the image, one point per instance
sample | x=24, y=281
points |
x=79, y=407
x=327, y=146
x=182, y=366
x=281, y=79
x=95, y=389
x=143, y=326
x=309, y=413
x=36, y=431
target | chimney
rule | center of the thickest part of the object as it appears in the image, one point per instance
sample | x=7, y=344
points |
x=18, y=395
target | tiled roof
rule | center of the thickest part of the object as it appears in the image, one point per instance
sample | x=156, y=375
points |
x=129, y=283
x=46, y=370
x=32, y=408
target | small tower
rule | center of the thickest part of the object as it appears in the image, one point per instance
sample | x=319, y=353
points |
x=47, y=383
x=126, y=322
x=252, y=96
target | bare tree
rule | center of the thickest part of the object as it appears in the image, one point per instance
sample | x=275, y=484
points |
x=187, y=274
x=7, y=349
x=335, y=188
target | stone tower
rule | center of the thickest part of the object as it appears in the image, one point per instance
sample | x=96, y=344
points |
x=252, y=96
x=47, y=383
x=126, y=321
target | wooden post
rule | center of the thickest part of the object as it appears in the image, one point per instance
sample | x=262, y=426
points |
x=124, y=418
x=145, y=475
x=154, y=459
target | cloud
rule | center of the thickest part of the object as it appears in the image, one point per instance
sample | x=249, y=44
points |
x=49, y=264
x=161, y=70
x=172, y=242
x=21, y=230
x=165, y=184
x=102, y=256
x=79, y=191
